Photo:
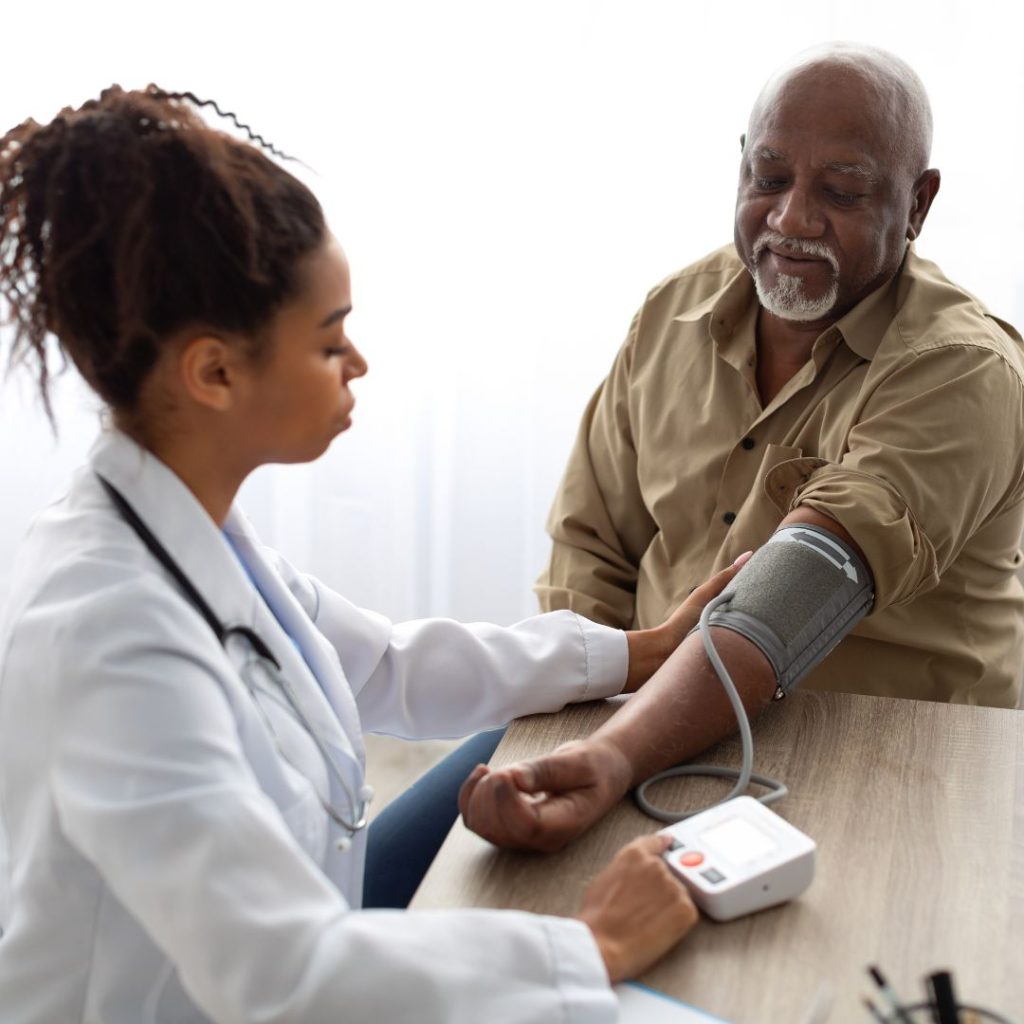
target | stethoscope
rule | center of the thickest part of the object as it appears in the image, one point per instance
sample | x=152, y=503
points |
x=269, y=664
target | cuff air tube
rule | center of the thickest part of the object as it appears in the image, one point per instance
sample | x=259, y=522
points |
x=796, y=598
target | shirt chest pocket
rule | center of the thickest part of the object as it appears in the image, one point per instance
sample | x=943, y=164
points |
x=756, y=514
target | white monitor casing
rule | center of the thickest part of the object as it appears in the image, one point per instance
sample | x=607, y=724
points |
x=739, y=857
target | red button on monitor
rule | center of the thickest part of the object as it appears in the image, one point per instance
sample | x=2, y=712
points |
x=691, y=860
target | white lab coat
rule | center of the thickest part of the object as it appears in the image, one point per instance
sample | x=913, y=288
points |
x=166, y=864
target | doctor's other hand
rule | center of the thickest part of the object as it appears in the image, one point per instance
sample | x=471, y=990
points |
x=637, y=909
x=541, y=805
x=648, y=648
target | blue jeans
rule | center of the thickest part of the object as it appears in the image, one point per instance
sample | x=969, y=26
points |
x=404, y=838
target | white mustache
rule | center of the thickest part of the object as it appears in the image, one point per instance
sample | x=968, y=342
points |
x=803, y=247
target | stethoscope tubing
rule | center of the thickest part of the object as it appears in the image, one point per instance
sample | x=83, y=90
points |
x=223, y=633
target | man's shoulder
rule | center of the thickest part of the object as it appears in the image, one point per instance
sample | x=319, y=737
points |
x=935, y=313
x=697, y=282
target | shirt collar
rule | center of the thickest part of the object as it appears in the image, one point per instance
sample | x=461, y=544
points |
x=861, y=328
x=864, y=326
x=724, y=308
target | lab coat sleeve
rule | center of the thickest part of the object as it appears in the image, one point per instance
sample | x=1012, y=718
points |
x=152, y=787
x=440, y=678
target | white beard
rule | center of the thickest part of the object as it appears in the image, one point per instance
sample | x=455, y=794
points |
x=787, y=299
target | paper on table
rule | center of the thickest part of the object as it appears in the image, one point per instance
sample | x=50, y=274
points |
x=639, y=1004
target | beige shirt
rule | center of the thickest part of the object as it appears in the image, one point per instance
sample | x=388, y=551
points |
x=906, y=426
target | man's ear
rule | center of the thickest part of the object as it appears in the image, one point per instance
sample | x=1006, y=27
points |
x=209, y=368
x=743, y=142
x=925, y=189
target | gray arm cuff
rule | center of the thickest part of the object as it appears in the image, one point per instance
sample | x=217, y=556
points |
x=798, y=596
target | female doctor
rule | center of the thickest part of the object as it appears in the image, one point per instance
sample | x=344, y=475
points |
x=181, y=764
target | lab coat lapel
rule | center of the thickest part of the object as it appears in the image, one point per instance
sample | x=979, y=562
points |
x=330, y=705
x=196, y=543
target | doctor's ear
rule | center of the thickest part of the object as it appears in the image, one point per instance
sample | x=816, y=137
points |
x=208, y=370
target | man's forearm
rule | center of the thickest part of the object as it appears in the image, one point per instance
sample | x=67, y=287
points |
x=683, y=709
x=545, y=803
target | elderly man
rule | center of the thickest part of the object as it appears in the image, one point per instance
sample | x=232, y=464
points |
x=816, y=385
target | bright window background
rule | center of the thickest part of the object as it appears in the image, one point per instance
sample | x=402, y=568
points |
x=508, y=181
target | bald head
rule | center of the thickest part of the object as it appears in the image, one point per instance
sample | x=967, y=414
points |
x=834, y=181
x=890, y=90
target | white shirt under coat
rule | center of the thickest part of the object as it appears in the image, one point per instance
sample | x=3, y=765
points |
x=165, y=863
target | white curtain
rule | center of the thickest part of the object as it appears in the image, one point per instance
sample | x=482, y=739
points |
x=508, y=181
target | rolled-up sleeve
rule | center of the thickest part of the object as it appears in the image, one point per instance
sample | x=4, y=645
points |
x=934, y=451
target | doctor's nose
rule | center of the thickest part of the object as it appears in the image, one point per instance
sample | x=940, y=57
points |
x=355, y=363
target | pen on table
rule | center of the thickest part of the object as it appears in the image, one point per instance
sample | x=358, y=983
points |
x=890, y=997
x=940, y=987
x=873, y=1010
x=821, y=1005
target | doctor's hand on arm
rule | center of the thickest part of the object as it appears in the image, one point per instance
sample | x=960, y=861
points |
x=636, y=909
x=650, y=648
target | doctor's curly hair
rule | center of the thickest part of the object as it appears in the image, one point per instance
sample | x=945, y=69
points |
x=130, y=218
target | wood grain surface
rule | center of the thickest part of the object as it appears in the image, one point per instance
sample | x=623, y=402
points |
x=918, y=812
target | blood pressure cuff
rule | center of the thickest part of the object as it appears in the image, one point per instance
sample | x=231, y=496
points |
x=796, y=598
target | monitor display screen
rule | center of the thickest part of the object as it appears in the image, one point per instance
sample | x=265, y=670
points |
x=738, y=840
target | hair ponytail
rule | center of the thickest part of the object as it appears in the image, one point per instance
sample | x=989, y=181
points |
x=128, y=219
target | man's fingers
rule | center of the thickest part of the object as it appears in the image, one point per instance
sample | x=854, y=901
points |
x=553, y=774
x=498, y=811
x=544, y=803
x=469, y=786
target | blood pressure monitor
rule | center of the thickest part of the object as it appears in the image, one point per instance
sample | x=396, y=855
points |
x=739, y=857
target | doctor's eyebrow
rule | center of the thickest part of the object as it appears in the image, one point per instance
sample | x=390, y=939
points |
x=338, y=314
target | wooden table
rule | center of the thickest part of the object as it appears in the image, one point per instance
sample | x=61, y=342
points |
x=918, y=812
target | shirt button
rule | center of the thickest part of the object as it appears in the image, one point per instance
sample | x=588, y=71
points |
x=748, y=443
x=729, y=518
